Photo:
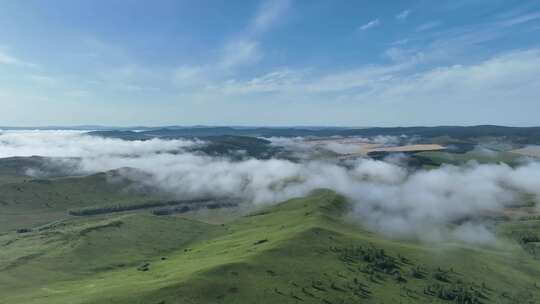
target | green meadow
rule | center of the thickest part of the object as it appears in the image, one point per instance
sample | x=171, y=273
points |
x=304, y=250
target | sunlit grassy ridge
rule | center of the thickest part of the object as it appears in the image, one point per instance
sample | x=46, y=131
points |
x=300, y=251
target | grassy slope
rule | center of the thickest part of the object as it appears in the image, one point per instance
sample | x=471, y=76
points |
x=8, y=179
x=74, y=250
x=36, y=201
x=308, y=256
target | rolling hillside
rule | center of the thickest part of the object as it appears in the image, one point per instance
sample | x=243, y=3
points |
x=26, y=202
x=300, y=251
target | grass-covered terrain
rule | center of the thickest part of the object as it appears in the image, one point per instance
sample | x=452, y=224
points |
x=299, y=251
x=25, y=201
x=438, y=158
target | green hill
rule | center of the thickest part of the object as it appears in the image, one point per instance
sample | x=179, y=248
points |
x=299, y=251
x=439, y=158
x=27, y=202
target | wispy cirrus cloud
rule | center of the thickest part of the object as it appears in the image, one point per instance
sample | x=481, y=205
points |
x=403, y=14
x=428, y=26
x=521, y=18
x=240, y=52
x=269, y=13
x=514, y=76
x=243, y=50
x=371, y=24
x=44, y=80
x=8, y=59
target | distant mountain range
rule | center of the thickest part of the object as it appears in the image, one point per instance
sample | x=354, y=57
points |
x=522, y=135
x=172, y=127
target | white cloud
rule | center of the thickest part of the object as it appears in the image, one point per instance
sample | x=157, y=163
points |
x=62, y=143
x=76, y=93
x=290, y=81
x=240, y=52
x=8, y=59
x=424, y=204
x=513, y=74
x=269, y=14
x=44, y=80
x=411, y=82
x=244, y=50
x=400, y=42
x=428, y=26
x=371, y=24
x=235, y=54
x=187, y=76
x=520, y=19
x=403, y=15
x=279, y=80
x=359, y=78
x=414, y=75
x=131, y=77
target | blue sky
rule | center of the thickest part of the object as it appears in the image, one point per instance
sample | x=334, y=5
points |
x=345, y=63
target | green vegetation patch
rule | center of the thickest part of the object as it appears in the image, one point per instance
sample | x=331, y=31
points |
x=32, y=202
x=299, y=251
x=438, y=158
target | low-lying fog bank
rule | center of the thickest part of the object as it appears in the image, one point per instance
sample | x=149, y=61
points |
x=448, y=203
